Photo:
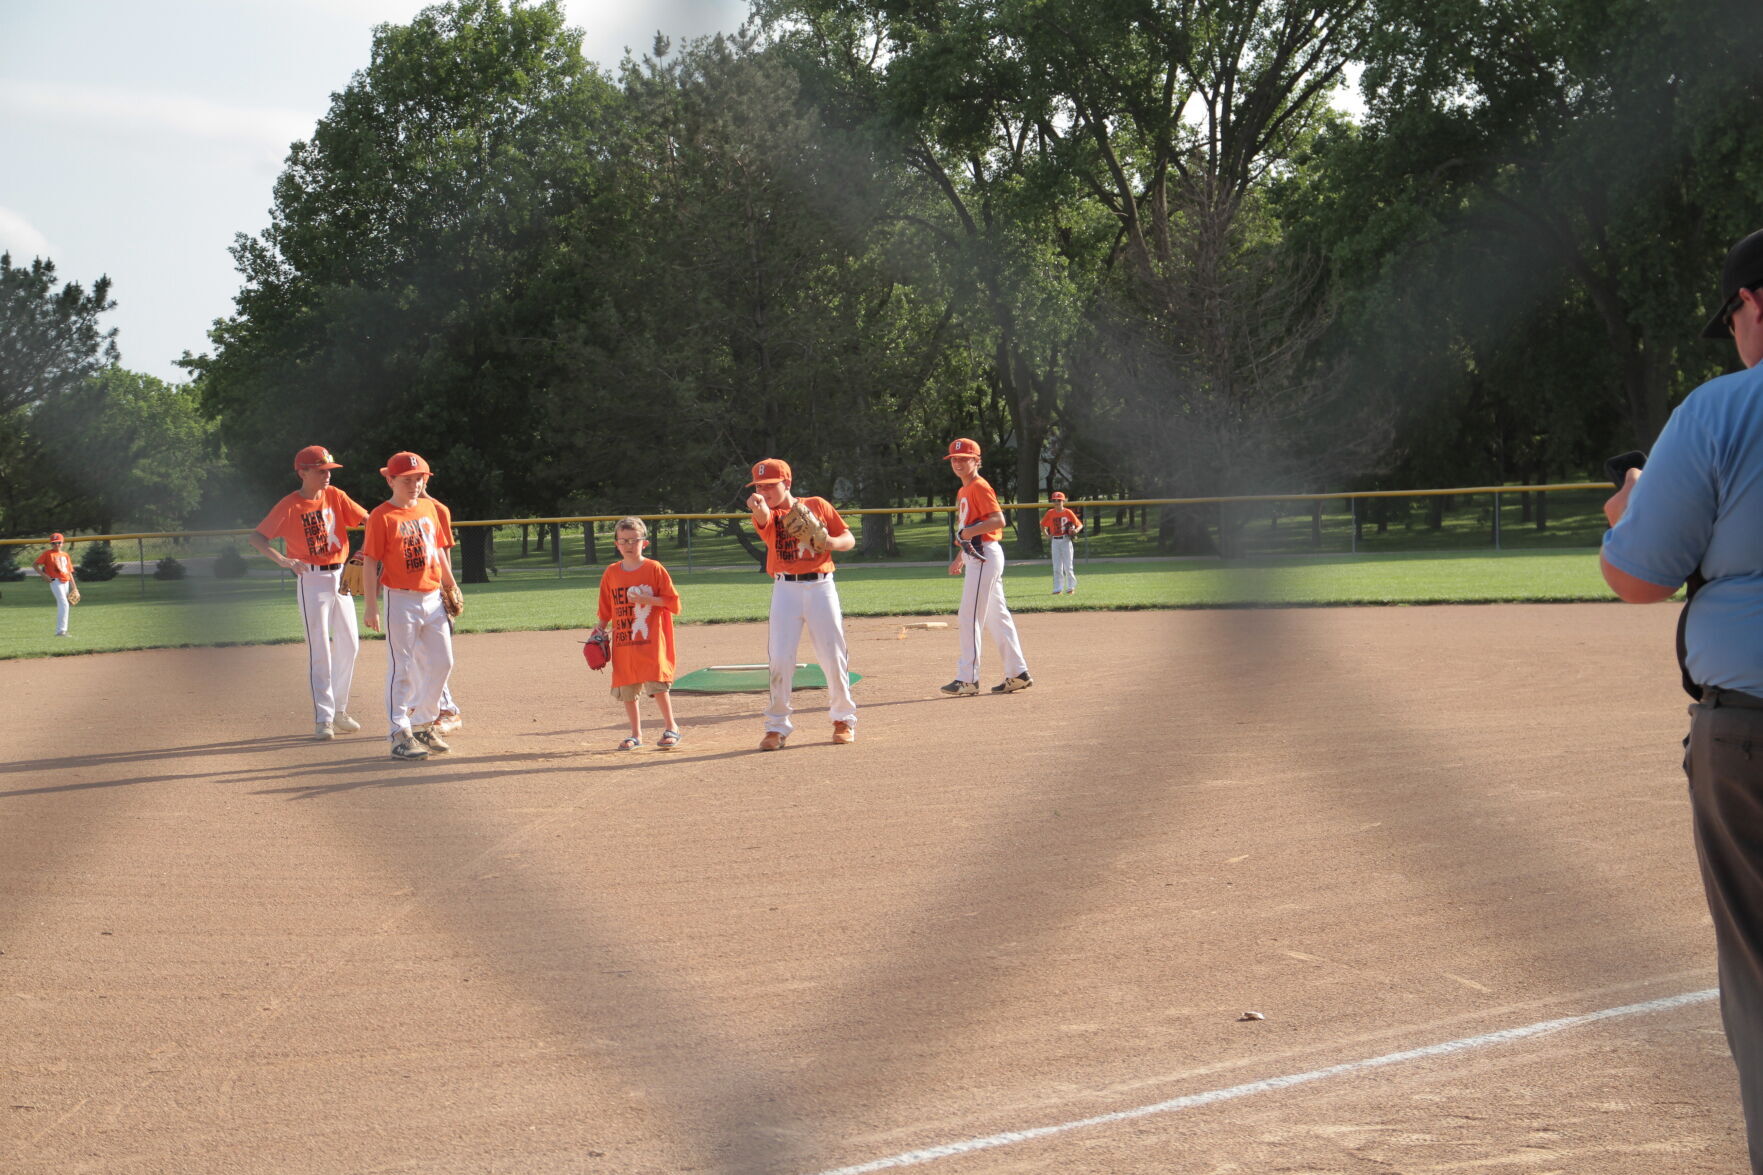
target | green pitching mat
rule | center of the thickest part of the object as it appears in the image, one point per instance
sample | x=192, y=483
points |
x=749, y=679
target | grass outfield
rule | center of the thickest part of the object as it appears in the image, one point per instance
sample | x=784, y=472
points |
x=126, y=613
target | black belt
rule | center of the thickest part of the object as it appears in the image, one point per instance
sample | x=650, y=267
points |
x=790, y=578
x=324, y=566
x=1730, y=698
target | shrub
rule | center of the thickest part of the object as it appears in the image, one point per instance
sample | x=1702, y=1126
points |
x=10, y=571
x=96, y=563
x=229, y=564
x=168, y=568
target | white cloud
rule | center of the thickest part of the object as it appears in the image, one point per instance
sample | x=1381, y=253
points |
x=125, y=112
x=20, y=237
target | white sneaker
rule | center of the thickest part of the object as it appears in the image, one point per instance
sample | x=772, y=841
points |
x=343, y=724
x=449, y=721
x=323, y=733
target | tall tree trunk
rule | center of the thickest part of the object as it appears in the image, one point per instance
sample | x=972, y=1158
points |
x=475, y=540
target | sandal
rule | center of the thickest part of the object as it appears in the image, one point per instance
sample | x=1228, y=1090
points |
x=669, y=738
x=630, y=744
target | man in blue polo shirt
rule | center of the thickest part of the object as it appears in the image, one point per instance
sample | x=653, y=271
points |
x=1696, y=516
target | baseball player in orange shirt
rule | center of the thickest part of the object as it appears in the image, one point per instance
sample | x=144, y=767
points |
x=313, y=523
x=802, y=596
x=449, y=719
x=57, y=568
x=404, y=552
x=979, y=520
x=638, y=603
x=1062, y=526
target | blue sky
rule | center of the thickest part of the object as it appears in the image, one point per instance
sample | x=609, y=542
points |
x=138, y=136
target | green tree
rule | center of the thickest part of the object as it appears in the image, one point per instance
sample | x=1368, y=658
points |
x=51, y=343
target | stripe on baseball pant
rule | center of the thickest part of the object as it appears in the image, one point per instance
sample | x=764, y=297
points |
x=983, y=609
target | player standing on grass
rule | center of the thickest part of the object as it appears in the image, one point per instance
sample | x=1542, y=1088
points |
x=979, y=520
x=313, y=523
x=1062, y=527
x=57, y=568
x=802, y=596
x=1696, y=516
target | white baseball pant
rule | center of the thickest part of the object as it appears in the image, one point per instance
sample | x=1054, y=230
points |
x=58, y=588
x=983, y=606
x=1064, y=573
x=332, y=640
x=419, y=657
x=812, y=604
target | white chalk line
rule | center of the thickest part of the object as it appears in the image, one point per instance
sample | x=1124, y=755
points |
x=969, y=1146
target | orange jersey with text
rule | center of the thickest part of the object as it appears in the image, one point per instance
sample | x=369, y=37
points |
x=785, y=556
x=56, y=565
x=973, y=502
x=1059, y=522
x=641, y=626
x=411, y=542
x=314, y=530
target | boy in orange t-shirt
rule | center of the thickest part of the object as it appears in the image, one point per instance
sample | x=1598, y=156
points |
x=57, y=568
x=637, y=604
x=1061, y=526
x=405, y=553
x=313, y=523
x=979, y=520
x=802, y=597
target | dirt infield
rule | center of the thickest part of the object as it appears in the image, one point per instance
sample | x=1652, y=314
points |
x=225, y=948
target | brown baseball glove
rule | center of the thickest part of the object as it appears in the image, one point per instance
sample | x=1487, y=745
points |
x=73, y=592
x=453, y=600
x=801, y=525
x=353, y=573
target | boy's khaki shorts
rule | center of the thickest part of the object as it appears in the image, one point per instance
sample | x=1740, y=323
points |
x=630, y=693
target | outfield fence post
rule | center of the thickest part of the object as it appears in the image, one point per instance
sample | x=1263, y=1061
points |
x=141, y=554
x=1496, y=520
x=557, y=546
x=1353, y=524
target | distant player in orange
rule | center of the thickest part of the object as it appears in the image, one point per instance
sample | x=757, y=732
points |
x=313, y=524
x=637, y=605
x=979, y=520
x=1062, y=526
x=57, y=568
x=802, y=596
x=404, y=552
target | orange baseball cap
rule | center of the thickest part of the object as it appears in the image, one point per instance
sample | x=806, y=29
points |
x=1058, y=497
x=315, y=457
x=963, y=447
x=770, y=471
x=403, y=463
x=57, y=537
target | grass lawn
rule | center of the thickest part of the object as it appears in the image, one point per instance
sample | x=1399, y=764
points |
x=127, y=613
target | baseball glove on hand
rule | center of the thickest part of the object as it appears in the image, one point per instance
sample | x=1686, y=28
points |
x=73, y=592
x=801, y=525
x=598, y=650
x=453, y=600
x=352, y=584
x=970, y=548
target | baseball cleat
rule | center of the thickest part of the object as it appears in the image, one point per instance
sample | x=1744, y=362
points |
x=961, y=689
x=428, y=737
x=449, y=721
x=773, y=741
x=343, y=724
x=409, y=748
x=323, y=733
x=844, y=733
x=1011, y=685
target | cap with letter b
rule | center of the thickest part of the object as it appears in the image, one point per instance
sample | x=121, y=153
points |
x=769, y=472
x=962, y=447
x=403, y=463
x=57, y=537
x=315, y=457
x=1058, y=497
